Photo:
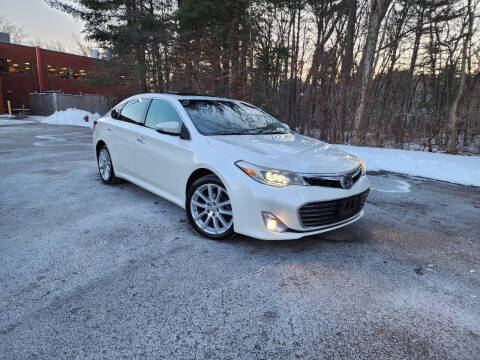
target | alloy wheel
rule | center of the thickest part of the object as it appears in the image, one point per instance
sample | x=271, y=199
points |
x=104, y=164
x=211, y=209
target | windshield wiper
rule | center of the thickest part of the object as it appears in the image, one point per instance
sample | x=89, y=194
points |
x=231, y=133
x=271, y=132
x=242, y=132
x=254, y=131
x=267, y=131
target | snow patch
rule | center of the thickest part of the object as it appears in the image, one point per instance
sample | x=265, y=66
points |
x=458, y=169
x=73, y=117
x=401, y=187
x=15, y=122
x=48, y=139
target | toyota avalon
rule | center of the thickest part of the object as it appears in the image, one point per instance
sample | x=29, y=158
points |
x=231, y=166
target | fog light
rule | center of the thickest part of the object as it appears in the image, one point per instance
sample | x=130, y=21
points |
x=272, y=223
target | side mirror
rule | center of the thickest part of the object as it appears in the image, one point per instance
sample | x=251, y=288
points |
x=114, y=114
x=169, y=128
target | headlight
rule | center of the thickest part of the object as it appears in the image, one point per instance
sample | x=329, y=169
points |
x=268, y=176
x=362, y=164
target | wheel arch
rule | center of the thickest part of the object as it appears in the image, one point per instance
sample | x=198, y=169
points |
x=200, y=172
x=197, y=174
x=100, y=143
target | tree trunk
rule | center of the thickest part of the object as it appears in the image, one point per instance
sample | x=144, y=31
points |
x=378, y=10
x=463, y=80
x=416, y=44
x=347, y=65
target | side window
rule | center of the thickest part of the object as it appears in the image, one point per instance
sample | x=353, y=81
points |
x=161, y=111
x=134, y=111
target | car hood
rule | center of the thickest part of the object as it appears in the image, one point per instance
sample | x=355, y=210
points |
x=290, y=152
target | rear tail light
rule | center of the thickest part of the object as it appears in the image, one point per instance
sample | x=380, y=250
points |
x=94, y=123
x=85, y=118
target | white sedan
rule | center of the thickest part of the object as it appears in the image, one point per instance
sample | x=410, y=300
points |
x=231, y=166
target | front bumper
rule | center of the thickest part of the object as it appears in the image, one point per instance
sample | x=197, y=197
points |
x=249, y=198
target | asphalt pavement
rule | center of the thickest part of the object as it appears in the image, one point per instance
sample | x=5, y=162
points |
x=89, y=271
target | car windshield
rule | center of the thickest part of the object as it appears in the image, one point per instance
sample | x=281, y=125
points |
x=219, y=117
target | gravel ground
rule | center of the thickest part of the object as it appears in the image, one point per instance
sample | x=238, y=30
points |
x=89, y=271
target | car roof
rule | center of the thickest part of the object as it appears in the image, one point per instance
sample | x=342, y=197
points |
x=179, y=96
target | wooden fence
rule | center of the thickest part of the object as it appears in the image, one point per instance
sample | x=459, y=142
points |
x=48, y=103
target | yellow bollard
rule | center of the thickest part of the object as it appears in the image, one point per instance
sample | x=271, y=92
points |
x=56, y=108
x=9, y=105
x=23, y=109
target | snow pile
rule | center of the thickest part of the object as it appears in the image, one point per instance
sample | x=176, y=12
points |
x=73, y=117
x=457, y=169
x=15, y=122
x=7, y=116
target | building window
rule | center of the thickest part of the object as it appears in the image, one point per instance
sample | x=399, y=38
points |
x=59, y=72
x=14, y=66
x=51, y=71
x=65, y=73
x=79, y=74
x=3, y=65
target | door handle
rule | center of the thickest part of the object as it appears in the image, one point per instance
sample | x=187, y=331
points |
x=109, y=129
x=141, y=141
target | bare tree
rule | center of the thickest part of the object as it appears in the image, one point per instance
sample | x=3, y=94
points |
x=463, y=79
x=347, y=64
x=55, y=45
x=378, y=9
x=82, y=46
x=17, y=33
x=338, y=70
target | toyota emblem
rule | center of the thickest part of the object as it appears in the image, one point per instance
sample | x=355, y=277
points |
x=346, y=181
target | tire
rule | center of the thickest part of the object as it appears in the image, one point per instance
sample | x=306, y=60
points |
x=105, y=166
x=208, y=208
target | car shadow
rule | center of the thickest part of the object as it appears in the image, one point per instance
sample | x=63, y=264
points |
x=355, y=233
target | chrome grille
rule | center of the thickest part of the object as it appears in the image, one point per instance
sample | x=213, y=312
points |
x=332, y=180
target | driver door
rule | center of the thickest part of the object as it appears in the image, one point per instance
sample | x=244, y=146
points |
x=163, y=161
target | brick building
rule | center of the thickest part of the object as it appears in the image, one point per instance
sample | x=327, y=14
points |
x=27, y=69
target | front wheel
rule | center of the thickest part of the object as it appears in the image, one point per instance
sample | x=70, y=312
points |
x=209, y=209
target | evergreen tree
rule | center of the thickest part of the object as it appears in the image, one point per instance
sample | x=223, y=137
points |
x=133, y=31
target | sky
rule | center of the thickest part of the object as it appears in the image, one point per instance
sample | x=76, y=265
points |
x=40, y=20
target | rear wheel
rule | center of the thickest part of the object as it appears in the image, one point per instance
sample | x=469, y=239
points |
x=209, y=209
x=105, y=166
